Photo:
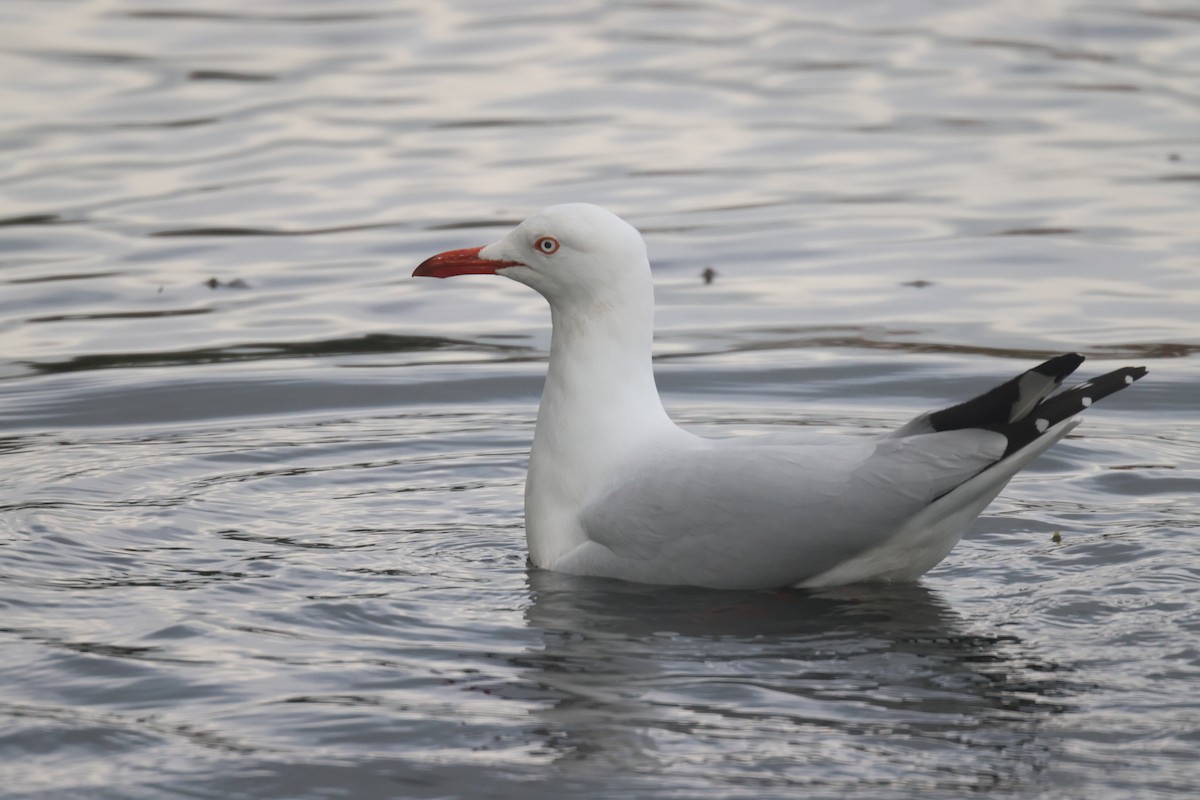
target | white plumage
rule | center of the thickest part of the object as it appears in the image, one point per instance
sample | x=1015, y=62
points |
x=616, y=489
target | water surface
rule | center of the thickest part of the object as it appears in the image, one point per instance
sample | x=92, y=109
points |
x=260, y=506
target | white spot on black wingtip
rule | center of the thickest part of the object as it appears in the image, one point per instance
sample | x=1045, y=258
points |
x=1087, y=401
x=1128, y=379
x=1041, y=425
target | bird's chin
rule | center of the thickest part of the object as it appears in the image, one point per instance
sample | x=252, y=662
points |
x=520, y=273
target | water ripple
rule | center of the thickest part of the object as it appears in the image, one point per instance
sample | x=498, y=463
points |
x=268, y=542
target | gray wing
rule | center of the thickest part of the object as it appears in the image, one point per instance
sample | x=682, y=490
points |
x=746, y=516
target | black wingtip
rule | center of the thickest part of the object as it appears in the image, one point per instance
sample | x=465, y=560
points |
x=1104, y=385
x=1027, y=406
x=1067, y=404
x=1010, y=401
x=1060, y=367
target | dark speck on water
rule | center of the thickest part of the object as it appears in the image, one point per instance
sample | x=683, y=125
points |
x=236, y=283
x=269, y=543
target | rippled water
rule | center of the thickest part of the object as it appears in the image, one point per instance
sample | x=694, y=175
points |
x=260, y=507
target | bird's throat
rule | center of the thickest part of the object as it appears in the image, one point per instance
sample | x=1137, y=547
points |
x=599, y=408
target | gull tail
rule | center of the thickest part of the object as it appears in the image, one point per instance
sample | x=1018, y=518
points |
x=1028, y=412
x=1056, y=408
x=1024, y=408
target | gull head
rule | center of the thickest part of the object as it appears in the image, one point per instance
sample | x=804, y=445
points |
x=574, y=255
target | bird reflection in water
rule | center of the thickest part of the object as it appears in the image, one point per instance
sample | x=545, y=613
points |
x=639, y=681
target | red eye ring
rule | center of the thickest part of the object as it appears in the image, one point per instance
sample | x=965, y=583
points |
x=546, y=245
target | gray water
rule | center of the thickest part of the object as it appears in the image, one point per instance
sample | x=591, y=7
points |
x=260, y=504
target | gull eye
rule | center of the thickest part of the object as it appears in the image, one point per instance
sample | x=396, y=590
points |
x=547, y=244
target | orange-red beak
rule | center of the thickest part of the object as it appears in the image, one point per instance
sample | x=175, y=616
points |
x=459, y=262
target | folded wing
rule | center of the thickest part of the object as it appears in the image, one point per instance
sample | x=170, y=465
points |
x=739, y=516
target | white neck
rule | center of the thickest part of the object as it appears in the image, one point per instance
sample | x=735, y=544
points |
x=599, y=407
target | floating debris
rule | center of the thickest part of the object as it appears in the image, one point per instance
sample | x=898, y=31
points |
x=918, y=284
x=708, y=275
x=1057, y=537
x=236, y=283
